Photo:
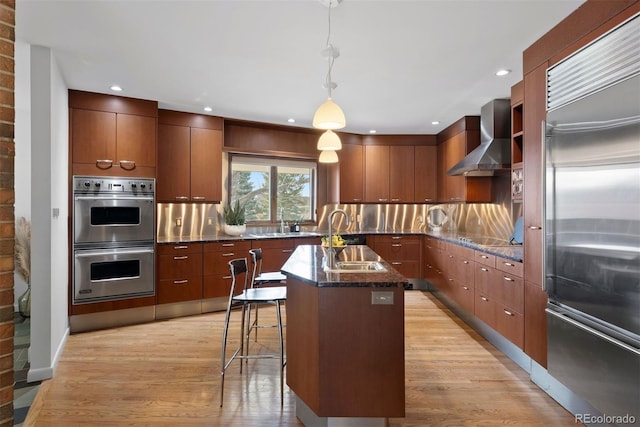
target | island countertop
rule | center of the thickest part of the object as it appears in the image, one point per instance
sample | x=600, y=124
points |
x=307, y=265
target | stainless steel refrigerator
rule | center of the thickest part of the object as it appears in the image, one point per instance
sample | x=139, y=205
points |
x=592, y=222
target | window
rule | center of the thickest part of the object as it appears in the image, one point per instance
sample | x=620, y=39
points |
x=268, y=187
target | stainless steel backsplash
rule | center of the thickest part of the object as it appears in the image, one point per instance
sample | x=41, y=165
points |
x=186, y=221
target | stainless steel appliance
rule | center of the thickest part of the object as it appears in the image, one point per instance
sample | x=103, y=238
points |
x=114, y=238
x=592, y=222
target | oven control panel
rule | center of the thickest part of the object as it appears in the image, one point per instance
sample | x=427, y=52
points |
x=107, y=185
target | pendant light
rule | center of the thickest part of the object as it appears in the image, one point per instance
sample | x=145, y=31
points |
x=329, y=115
x=328, y=156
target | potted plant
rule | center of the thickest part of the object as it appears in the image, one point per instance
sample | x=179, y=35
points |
x=234, y=220
x=23, y=263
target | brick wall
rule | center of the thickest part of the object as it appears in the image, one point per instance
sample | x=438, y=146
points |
x=7, y=151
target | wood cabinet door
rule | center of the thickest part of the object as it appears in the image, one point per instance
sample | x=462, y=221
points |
x=425, y=174
x=173, y=183
x=455, y=150
x=376, y=172
x=136, y=140
x=535, y=323
x=401, y=173
x=206, y=165
x=351, y=173
x=93, y=136
x=534, y=114
x=441, y=172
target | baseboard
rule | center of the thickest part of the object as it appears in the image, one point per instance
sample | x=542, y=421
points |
x=42, y=374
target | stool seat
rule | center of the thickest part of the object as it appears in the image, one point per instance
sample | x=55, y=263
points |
x=269, y=277
x=263, y=295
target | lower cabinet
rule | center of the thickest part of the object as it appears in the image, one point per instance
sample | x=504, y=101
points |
x=216, y=275
x=275, y=252
x=179, y=273
x=401, y=251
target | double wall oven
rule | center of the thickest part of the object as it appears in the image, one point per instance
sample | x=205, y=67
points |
x=113, y=243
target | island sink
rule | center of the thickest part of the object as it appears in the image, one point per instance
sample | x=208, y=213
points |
x=357, y=266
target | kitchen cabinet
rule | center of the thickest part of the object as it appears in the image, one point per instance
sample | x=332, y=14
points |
x=425, y=174
x=517, y=133
x=216, y=274
x=351, y=173
x=179, y=273
x=401, y=251
x=454, y=143
x=460, y=274
x=275, y=252
x=112, y=136
x=189, y=158
x=389, y=173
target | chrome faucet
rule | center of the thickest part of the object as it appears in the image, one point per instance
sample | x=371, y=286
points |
x=331, y=253
x=282, y=224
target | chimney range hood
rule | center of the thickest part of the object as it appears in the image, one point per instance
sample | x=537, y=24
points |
x=493, y=155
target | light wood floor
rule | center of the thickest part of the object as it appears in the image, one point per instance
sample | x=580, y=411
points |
x=167, y=373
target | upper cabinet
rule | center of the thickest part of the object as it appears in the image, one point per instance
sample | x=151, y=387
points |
x=517, y=135
x=425, y=173
x=376, y=173
x=189, y=157
x=351, y=166
x=112, y=135
x=454, y=143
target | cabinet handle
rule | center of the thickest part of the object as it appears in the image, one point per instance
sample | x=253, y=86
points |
x=396, y=263
x=104, y=163
x=508, y=264
x=483, y=269
x=182, y=198
x=397, y=245
x=197, y=197
x=484, y=257
x=450, y=256
x=396, y=237
x=357, y=200
x=226, y=245
x=395, y=200
x=180, y=282
x=428, y=200
x=466, y=288
x=535, y=227
x=130, y=164
x=226, y=277
x=287, y=251
x=181, y=247
x=229, y=254
x=507, y=312
x=484, y=299
x=455, y=198
x=451, y=280
x=180, y=257
x=465, y=262
x=508, y=279
x=383, y=200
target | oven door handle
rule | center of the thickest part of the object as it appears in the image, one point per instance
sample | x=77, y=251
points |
x=120, y=251
x=116, y=197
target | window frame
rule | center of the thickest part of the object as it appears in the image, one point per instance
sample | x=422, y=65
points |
x=274, y=162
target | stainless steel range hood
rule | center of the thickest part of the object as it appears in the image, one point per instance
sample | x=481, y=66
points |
x=493, y=155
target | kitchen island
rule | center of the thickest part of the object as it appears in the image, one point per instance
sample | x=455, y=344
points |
x=345, y=337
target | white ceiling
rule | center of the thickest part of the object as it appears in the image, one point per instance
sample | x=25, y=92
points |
x=403, y=63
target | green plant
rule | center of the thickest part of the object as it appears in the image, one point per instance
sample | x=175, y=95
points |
x=23, y=249
x=234, y=215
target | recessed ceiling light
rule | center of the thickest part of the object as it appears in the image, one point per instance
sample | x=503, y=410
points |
x=373, y=131
x=502, y=72
x=291, y=120
x=435, y=122
x=116, y=88
x=208, y=109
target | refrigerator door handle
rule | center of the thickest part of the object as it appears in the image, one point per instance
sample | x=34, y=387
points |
x=543, y=172
x=593, y=332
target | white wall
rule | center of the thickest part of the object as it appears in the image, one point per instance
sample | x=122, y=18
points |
x=22, y=181
x=49, y=192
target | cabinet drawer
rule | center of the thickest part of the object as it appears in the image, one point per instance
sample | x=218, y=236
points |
x=179, y=266
x=511, y=291
x=484, y=308
x=274, y=258
x=409, y=269
x=218, y=285
x=398, y=251
x=511, y=267
x=176, y=290
x=486, y=280
x=179, y=249
x=235, y=246
x=397, y=238
x=509, y=324
x=465, y=296
x=218, y=262
x=485, y=258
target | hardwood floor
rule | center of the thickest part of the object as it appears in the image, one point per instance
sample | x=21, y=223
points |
x=167, y=373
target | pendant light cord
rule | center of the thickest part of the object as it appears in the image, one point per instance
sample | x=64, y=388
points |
x=332, y=56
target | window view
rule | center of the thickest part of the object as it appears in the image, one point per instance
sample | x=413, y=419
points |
x=268, y=187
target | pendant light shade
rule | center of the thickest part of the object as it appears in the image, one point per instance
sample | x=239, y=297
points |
x=329, y=115
x=329, y=141
x=328, y=156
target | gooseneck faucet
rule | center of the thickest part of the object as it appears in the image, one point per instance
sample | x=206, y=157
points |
x=331, y=254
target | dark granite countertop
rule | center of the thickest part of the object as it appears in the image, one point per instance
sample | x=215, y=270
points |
x=306, y=264
x=511, y=252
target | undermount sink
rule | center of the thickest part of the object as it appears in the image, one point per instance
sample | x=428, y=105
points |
x=357, y=267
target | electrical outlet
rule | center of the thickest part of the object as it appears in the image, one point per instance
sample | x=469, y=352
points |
x=420, y=219
x=178, y=222
x=381, y=298
x=209, y=221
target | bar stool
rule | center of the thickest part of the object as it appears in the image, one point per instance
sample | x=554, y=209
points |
x=258, y=278
x=242, y=298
